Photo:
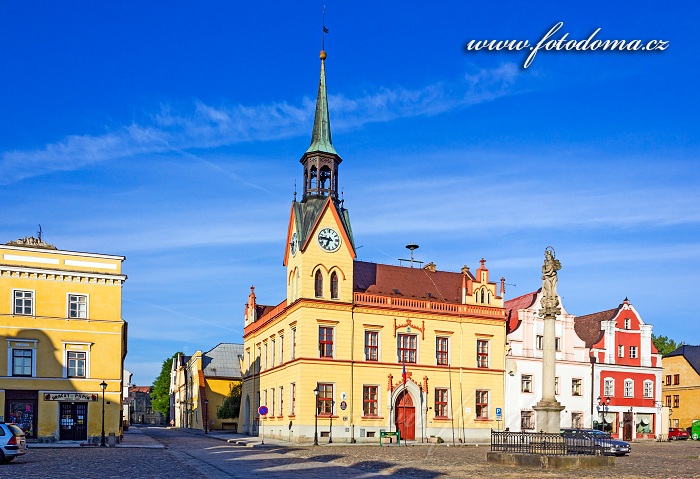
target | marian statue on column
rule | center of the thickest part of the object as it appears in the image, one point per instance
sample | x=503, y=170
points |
x=549, y=281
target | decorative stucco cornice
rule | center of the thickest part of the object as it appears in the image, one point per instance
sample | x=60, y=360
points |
x=60, y=275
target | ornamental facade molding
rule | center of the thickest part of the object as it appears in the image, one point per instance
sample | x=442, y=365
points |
x=31, y=242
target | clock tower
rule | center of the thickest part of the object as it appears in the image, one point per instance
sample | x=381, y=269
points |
x=320, y=246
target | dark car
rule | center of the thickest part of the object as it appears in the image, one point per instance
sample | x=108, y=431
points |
x=676, y=433
x=593, y=441
x=12, y=442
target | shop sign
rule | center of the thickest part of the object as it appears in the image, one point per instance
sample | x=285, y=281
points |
x=69, y=397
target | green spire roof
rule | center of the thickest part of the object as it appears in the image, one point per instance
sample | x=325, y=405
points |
x=321, y=134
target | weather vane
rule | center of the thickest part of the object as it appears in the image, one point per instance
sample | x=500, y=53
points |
x=325, y=30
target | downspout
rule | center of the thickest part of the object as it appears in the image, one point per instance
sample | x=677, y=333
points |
x=352, y=374
x=461, y=392
x=452, y=412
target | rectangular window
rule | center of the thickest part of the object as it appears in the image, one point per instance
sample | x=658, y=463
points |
x=441, y=351
x=676, y=400
x=482, y=404
x=526, y=383
x=539, y=342
x=264, y=397
x=527, y=420
x=627, y=324
x=441, y=403
x=294, y=343
x=629, y=389
x=272, y=406
x=77, y=306
x=556, y=386
x=371, y=346
x=272, y=345
x=668, y=401
x=370, y=398
x=576, y=387
x=648, y=389
x=609, y=387
x=23, y=302
x=281, y=401
x=281, y=349
x=668, y=380
x=557, y=344
x=259, y=358
x=408, y=348
x=294, y=398
x=325, y=399
x=265, y=355
x=620, y=351
x=676, y=379
x=325, y=341
x=21, y=362
x=482, y=353
x=577, y=419
x=633, y=352
x=76, y=364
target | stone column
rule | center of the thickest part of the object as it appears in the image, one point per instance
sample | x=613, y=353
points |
x=549, y=409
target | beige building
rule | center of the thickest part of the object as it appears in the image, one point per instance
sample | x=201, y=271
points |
x=65, y=341
x=681, y=385
x=358, y=348
x=200, y=383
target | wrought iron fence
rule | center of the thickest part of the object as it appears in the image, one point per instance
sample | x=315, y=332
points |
x=551, y=444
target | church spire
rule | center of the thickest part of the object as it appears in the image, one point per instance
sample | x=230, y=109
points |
x=321, y=133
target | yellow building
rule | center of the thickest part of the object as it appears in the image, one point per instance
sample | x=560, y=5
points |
x=64, y=339
x=201, y=382
x=681, y=386
x=358, y=348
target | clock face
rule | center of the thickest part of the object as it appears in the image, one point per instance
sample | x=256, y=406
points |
x=329, y=239
x=294, y=245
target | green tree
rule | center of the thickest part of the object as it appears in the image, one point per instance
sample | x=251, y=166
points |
x=665, y=345
x=230, y=408
x=160, y=391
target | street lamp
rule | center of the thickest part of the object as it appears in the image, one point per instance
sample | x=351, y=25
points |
x=103, y=385
x=316, y=418
x=602, y=409
x=206, y=416
x=330, y=432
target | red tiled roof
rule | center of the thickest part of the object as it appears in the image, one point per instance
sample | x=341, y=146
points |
x=404, y=282
x=513, y=305
x=140, y=389
x=588, y=327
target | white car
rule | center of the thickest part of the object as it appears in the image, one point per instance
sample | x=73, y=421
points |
x=13, y=443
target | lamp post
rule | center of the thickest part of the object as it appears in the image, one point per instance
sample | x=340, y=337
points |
x=316, y=418
x=330, y=432
x=206, y=416
x=602, y=409
x=103, y=385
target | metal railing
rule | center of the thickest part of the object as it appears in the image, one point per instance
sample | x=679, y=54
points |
x=550, y=444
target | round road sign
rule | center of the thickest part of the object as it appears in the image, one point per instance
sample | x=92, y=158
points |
x=262, y=410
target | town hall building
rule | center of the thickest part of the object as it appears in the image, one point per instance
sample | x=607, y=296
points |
x=358, y=348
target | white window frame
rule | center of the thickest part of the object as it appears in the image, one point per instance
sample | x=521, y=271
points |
x=629, y=388
x=609, y=387
x=76, y=346
x=449, y=349
x=557, y=385
x=557, y=344
x=530, y=415
x=633, y=352
x=69, y=302
x=539, y=342
x=648, y=389
x=522, y=383
x=577, y=387
x=627, y=323
x=33, y=300
x=273, y=346
x=264, y=366
x=293, y=348
x=488, y=353
x=16, y=343
x=620, y=351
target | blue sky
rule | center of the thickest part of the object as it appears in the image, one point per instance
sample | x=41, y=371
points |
x=171, y=132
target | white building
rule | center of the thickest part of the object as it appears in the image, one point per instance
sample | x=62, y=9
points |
x=523, y=376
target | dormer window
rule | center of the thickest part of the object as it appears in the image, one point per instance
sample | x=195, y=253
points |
x=627, y=324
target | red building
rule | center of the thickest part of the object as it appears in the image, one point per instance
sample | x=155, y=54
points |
x=626, y=371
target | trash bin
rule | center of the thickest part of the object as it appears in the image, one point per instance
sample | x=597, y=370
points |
x=112, y=440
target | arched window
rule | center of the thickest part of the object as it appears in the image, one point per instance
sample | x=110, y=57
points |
x=318, y=284
x=324, y=178
x=313, y=178
x=334, y=285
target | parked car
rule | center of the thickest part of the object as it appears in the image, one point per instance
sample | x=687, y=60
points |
x=593, y=441
x=13, y=443
x=676, y=433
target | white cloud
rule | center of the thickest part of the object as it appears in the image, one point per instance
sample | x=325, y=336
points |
x=210, y=126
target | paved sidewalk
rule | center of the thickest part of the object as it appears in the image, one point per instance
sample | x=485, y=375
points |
x=134, y=437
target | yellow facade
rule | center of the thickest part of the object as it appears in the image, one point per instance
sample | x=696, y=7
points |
x=681, y=391
x=64, y=336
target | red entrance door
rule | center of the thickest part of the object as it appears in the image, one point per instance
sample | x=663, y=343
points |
x=405, y=416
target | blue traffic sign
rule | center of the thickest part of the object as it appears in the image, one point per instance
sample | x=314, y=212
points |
x=499, y=413
x=262, y=410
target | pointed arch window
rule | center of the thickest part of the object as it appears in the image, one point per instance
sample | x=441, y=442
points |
x=334, y=285
x=318, y=284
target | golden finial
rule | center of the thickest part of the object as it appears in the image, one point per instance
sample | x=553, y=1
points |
x=323, y=55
